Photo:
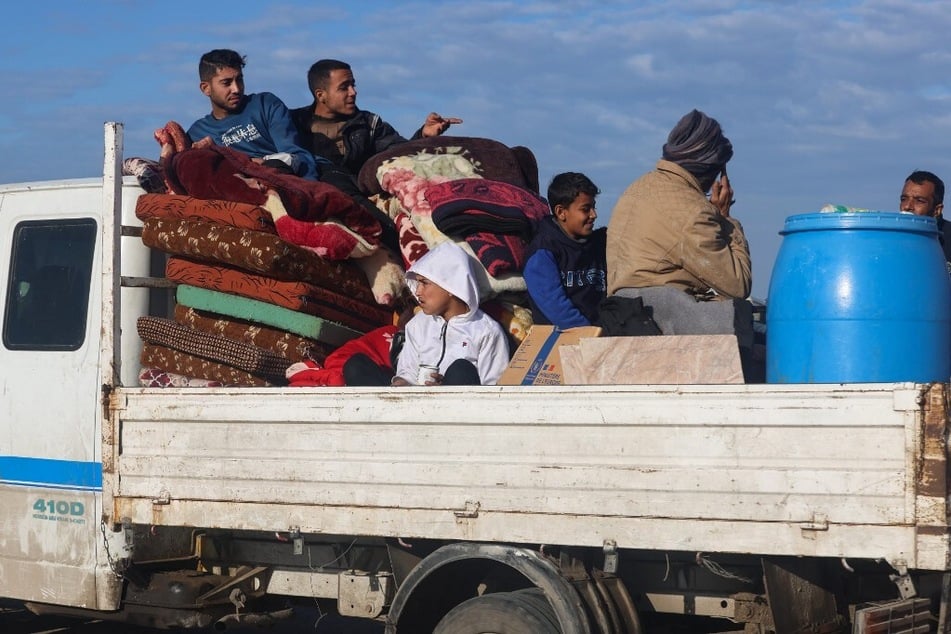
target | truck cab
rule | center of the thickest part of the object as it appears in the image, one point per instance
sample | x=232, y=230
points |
x=51, y=377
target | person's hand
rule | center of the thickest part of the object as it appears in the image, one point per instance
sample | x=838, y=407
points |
x=436, y=124
x=399, y=381
x=436, y=380
x=721, y=194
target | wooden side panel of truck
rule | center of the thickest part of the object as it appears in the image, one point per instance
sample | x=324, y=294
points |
x=829, y=471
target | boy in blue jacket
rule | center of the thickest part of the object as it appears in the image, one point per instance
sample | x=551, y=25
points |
x=566, y=267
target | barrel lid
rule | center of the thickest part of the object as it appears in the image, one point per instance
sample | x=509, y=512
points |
x=881, y=220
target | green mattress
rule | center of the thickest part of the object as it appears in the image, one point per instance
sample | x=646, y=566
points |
x=302, y=324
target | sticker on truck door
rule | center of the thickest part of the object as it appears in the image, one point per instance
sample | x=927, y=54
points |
x=59, y=510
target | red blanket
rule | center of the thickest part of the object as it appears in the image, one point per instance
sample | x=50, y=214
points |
x=375, y=344
x=220, y=173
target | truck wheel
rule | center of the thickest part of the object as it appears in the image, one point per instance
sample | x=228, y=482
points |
x=520, y=612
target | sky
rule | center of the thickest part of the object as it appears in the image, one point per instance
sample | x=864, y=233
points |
x=824, y=102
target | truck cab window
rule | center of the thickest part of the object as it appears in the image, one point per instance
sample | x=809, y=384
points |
x=48, y=287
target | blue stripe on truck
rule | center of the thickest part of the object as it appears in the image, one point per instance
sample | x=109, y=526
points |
x=49, y=473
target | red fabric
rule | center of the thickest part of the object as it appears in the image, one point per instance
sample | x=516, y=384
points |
x=329, y=240
x=375, y=344
x=412, y=245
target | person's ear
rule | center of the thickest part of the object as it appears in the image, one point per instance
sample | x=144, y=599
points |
x=561, y=212
x=938, y=209
x=319, y=95
x=205, y=88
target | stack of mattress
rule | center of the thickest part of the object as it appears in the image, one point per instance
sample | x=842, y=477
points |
x=248, y=304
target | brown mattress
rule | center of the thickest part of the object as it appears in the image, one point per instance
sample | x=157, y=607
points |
x=237, y=354
x=290, y=346
x=154, y=377
x=225, y=212
x=254, y=251
x=300, y=296
x=178, y=362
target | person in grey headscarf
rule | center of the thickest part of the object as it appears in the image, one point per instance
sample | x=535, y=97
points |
x=698, y=145
x=675, y=246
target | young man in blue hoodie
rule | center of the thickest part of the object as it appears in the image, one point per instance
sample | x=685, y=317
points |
x=258, y=124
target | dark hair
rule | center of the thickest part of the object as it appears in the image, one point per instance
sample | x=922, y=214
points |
x=319, y=72
x=920, y=177
x=213, y=61
x=565, y=187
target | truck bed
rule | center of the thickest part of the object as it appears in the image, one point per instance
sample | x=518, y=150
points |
x=855, y=471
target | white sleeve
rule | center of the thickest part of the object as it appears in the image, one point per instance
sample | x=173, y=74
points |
x=407, y=363
x=493, y=354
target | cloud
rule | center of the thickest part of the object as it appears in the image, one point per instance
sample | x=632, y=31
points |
x=825, y=102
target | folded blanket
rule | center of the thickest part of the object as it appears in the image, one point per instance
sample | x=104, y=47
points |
x=496, y=219
x=253, y=360
x=408, y=178
x=286, y=344
x=301, y=296
x=240, y=215
x=254, y=251
x=184, y=364
x=491, y=159
x=465, y=206
x=338, y=228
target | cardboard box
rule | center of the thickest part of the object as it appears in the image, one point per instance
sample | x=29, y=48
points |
x=537, y=360
x=657, y=360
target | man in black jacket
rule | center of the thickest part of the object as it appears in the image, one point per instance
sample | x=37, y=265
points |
x=334, y=128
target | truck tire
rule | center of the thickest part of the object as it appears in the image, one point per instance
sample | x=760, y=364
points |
x=521, y=612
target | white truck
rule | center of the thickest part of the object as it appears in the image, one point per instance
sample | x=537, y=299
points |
x=507, y=509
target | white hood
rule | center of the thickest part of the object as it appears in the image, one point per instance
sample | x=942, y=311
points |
x=449, y=266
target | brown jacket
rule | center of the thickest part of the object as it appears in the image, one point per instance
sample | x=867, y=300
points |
x=664, y=232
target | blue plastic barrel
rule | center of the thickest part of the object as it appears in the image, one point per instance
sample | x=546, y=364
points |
x=861, y=297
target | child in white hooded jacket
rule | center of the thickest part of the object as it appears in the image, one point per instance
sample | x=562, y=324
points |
x=450, y=332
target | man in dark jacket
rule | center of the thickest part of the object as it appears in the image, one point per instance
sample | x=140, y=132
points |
x=334, y=128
